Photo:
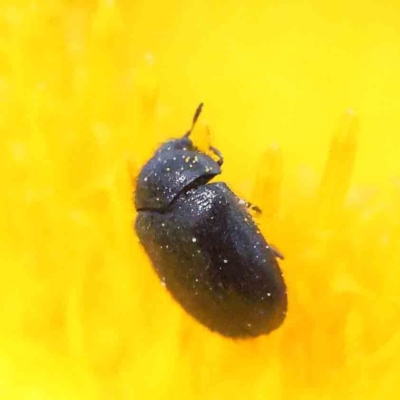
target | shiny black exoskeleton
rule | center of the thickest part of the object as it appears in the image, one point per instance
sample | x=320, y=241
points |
x=204, y=245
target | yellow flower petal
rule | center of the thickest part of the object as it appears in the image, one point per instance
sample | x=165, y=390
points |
x=87, y=92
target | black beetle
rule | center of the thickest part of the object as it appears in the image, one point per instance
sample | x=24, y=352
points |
x=204, y=244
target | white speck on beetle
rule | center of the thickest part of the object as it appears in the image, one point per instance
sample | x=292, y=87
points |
x=163, y=224
x=269, y=294
x=194, y=240
x=145, y=179
x=225, y=261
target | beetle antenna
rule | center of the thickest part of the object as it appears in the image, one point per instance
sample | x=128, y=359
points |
x=197, y=114
x=195, y=118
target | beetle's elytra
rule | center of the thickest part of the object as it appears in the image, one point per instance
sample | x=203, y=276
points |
x=204, y=244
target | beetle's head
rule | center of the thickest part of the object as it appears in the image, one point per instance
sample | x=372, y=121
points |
x=176, y=166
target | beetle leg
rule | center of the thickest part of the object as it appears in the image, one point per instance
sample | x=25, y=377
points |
x=253, y=207
x=218, y=154
x=276, y=252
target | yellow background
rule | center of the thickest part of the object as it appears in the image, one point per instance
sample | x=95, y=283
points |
x=89, y=89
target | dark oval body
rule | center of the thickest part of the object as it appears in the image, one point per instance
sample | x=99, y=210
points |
x=215, y=262
x=206, y=248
